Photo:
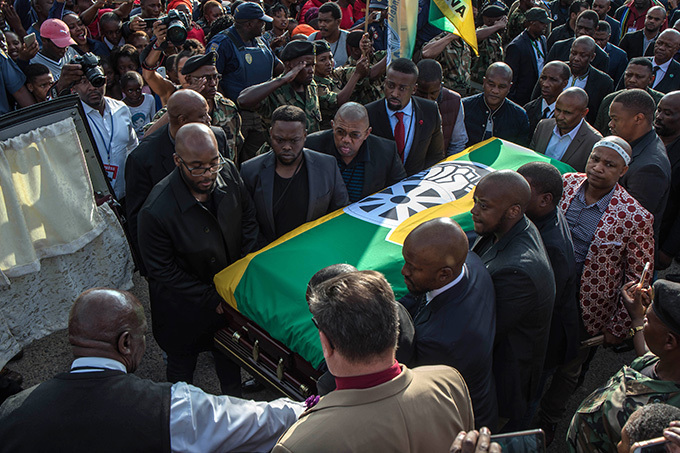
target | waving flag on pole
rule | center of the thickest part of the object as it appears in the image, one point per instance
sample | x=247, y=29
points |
x=455, y=16
x=402, y=25
x=269, y=286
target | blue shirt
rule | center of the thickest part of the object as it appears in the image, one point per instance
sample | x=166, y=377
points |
x=12, y=80
x=409, y=124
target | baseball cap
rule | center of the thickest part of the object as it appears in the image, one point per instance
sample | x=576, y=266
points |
x=250, y=10
x=538, y=14
x=56, y=31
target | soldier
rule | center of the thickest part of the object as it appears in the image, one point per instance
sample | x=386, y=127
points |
x=368, y=89
x=454, y=56
x=517, y=19
x=489, y=41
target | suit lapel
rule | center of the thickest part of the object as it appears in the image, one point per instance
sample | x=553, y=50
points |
x=384, y=120
x=313, y=182
x=267, y=181
x=417, y=131
x=575, y=143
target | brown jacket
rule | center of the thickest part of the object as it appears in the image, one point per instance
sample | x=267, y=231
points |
x=421, y=410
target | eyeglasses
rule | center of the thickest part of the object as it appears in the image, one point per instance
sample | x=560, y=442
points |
x=200, y=171
x=341, y=133
x=330, y=343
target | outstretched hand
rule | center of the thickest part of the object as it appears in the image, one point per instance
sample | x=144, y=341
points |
x=475, y=442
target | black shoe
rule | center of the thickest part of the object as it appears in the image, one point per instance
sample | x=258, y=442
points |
x=251, y=386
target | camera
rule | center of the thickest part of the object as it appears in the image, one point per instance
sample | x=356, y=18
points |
x=178, y=23
x=90, y=64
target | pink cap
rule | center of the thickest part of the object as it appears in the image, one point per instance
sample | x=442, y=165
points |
x=56, y=31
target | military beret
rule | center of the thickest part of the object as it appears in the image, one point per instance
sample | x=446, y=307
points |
x=295, y=49
x=322, y=46
x=667, y=304
x=354, y=38
x=494, y=10
x=198, y=61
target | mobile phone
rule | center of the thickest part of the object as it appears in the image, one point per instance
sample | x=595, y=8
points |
x=531, y=441
x=29, y=39
x=657, y=445
x=645, y=274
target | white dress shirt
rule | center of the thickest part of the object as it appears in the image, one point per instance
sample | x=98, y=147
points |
x=558, y=144
x=200, y=422
x=459, y=136
x=661, y=72
x=115, y=138
x=409, y=124
x=551, y=108
x=578, y=81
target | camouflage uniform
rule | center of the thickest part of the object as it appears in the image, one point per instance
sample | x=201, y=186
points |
x=366, y=90
x=456, y=61
x=224, y=115
x=312, y=104
x=490, y=51
x=515, y=25
x=597, y=424
x=327, y=87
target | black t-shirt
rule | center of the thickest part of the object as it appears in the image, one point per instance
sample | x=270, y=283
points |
x=291, y=197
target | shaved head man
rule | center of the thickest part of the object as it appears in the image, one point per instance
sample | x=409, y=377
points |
x=668, y=73
x=152, y=160
x=567, y=137
x=667, y=126
x=491, y=114
x=101, y=406
x=367, y=163
x=511, y=248
x=452, y=303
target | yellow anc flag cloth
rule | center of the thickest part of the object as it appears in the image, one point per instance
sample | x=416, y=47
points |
x=402, y=25
x=455, y=16
x=269, y=286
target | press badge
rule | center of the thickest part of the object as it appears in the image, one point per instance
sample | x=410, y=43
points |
x=111, y=171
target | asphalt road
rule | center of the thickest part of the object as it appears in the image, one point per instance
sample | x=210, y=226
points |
x=51, y=355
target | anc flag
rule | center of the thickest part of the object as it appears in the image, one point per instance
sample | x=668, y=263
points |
x=269, y=286
x=455, y=16
x=402, y=25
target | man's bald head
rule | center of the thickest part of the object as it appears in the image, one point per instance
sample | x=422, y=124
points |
x=576, y=95
x=501, y=199
x=187, y=106
x=499, y=69
x=352, y=112
x=588, y=43
x=108, y=323
x=434, y=254
x=192, y=139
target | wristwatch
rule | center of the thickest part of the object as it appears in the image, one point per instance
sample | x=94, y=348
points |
x=634, y=330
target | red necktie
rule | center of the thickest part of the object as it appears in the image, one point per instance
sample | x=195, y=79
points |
x=399, y=134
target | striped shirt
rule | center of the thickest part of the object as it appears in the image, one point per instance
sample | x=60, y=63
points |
x=583, y=220
x=353, y=175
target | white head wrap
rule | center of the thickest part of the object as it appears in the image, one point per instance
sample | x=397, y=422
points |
x=616, y=147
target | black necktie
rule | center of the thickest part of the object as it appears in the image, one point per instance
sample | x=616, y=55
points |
x=546, y=111
x=422, y=303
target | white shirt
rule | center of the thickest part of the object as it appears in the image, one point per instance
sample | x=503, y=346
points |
x=459, y=136
x=558, y=144
x=661, y=72
x=578, y=81
x=551, y=108
x=55, y=66
x=338, y=48
x=430, y=295
x=115, y=139
x=142, y=114
x=200, y=422
x=409, y=124
x=539, y=55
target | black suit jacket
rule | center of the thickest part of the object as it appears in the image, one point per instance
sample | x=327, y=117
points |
x=327, y=191
x=669, y=236
x=561, y=49
x=633, y=43
x=563, y=343
x=183, y=246
x=525, y=293
x=382, y=166
x=671, y=80
x=598, y=86
x=535, y=113
x=456, y=329
x=146, y=166
x=428, y=146
x=520, y=57
x=648, y=178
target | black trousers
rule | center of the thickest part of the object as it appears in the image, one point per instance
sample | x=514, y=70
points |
x=181, y=369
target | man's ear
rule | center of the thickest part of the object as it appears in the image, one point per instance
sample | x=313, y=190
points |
x=328, y=351
x=124, y=343
x=545, y=199
x=175, y=158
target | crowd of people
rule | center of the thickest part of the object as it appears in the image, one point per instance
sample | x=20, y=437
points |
x=222, y=126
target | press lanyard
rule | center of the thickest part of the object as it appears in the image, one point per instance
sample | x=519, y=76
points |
x=538, y=50
x=109, y=144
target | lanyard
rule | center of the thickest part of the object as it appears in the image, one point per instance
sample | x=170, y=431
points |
x=109, y=144
x=534, y=44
